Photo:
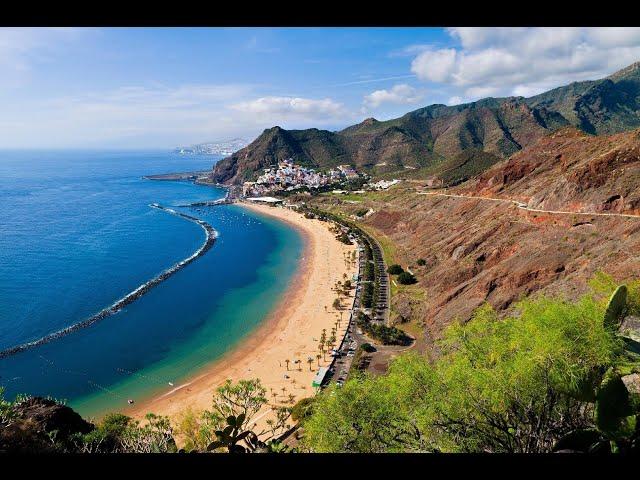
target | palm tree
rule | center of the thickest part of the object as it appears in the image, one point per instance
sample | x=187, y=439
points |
x=275, y=395
x=310, y=362
x=284, y=389
x=287, y=362
x=299, y=362
x=292, y=398
x=318, y=357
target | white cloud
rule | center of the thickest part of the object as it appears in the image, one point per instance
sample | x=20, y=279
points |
x=162, y=116
x=286, y=108
x=525, y=61
x=400, y=94
x=455, y=100
x=435, y=65
x=130, y=116
x=21, y=48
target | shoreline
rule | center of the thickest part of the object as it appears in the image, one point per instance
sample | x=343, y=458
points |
x=290, y=331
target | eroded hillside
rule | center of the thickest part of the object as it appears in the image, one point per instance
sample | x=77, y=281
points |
x=491, y=250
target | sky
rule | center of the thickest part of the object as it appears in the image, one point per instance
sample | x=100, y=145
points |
x=167, y=87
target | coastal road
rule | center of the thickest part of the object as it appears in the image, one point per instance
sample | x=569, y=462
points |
x=523, y=206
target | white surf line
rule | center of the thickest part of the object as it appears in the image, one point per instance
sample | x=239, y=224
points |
x=524, y=206
x=211, y=236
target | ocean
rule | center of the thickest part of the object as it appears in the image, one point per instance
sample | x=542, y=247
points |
x=77, y=234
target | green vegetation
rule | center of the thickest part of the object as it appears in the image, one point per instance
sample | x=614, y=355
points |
x=382, y=333
x=120, y=433
x=227, y=426
x=511, y=384
x=405, y=278
x=367, y=347
x=465, y=165
x=616, y=307
x=367, y=295
x=421, y=262
x=344, y=238
x=302, y=409
x=395, y=269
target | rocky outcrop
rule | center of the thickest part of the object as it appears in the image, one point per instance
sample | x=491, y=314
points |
x=42, y=425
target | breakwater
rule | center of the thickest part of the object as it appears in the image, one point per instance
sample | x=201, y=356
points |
x=132, y=296
x=209, y=203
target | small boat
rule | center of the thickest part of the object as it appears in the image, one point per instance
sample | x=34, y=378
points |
x=130, y=402
x=171, y=383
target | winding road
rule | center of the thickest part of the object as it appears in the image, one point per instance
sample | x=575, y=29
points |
x=523, y=206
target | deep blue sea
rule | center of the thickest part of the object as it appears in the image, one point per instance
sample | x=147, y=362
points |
x=77, y=234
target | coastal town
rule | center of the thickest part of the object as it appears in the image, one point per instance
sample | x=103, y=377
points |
x=288, y=176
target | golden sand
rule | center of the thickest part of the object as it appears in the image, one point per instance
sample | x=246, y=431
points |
x=291, y=332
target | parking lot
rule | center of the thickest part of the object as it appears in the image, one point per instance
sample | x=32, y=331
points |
x=345, y=353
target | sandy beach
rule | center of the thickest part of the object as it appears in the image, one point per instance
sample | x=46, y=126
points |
x=291, y=332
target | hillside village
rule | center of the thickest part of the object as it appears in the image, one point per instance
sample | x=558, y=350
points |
x=289, y=176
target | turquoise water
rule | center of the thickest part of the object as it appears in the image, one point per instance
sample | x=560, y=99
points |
x=77, y=234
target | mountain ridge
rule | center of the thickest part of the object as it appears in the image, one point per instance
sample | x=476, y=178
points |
x=437, y=133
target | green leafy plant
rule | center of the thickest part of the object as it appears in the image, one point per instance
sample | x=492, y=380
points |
x=395, y=269
x=616, y=408
x=405, y=278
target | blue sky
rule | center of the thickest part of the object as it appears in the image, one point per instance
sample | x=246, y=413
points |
x=159, y=88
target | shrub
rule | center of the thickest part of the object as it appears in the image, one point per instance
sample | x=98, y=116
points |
x=499, y=385
x=386, y=335
x=422, y=262
x=367, y=347
x=405, y=278
x=344, y=238
x=302, y=409
x=367, y=295
x=395, y=269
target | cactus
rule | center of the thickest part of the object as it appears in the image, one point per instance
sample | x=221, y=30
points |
x=617, y=410
x=614, y=412
x=616, y=308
